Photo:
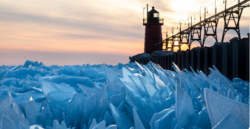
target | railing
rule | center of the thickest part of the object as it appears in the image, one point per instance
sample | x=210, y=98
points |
x=210, y=11
x=144, y=21
x=211, y=15
x=161, y=21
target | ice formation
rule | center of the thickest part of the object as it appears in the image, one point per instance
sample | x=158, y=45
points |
x=132, y=96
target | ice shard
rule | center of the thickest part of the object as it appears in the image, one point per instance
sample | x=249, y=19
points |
x=113, y=82
x=121, y=120
x=7, y=123
x=89, y=90
x=18, y=119
x=100, y=125
x=183, y=107
x=203, y=120
x=108, y=118
x=112, y=127
x=219, y=107
x=117, y=99
x=89, y=106
x=35, y=127
x=56, y=125
x=137, y=120
x=230, y=122
x=101, y=105
x=93, y=124
x=63, y=125
x=164, y=121
x=159, y=84
x=31, y=112
x=57, y=92
x=158, y=115
x=147, y=83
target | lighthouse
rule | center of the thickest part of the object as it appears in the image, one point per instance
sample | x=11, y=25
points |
x=153, y=34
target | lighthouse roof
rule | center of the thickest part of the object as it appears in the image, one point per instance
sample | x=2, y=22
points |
x=153, y=10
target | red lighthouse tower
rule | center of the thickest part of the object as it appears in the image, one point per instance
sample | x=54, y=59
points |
x=152, y=30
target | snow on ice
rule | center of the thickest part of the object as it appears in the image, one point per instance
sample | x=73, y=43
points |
x=132, y=96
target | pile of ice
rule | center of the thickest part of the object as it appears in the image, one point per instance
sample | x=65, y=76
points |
x=131, y=96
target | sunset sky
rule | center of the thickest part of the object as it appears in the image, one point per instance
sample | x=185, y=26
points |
x=65, y=32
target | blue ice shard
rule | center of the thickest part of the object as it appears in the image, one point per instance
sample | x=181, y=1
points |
x=75, y=107
x=63, y=125
x=21, y=126
x=89, y=106
x=100, y=125
x=17, y=118
x=121, y=106
x=10, y=108
x=108, y=118
x=139, y=85
x=57, y=92
x=156, y=103
x=31, y=112
x=159, y=84
x=158, y=115
x=56, y=125
x=102, y=103
x=24, y=97
x=150, y=88
x=117, y=99
x=120, y=119
x=69, y=80
x=137, y=120
x=165, y=121
x=219, y=107
x=112, y=127
x=93, y=124
x=230, y=122
x=89, y=90
x=203, y=120
x=113, y=82
x=5, y=104
x=7, y=123
x=126, y=73
x=37, y=127
x=183, y=107
x=194, y=127
x=142, y=70
x=230, y=94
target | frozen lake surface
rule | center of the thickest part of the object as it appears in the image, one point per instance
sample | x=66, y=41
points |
x=132, y=96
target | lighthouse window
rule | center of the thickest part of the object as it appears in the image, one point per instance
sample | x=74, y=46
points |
x=155, y=15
